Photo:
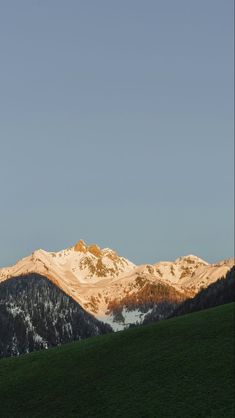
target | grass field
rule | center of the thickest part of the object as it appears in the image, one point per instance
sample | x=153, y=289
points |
x=179, y=368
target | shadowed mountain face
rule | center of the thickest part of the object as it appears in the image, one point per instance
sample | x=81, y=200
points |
x=218, y=293
x=148, y=300
x=36, y=314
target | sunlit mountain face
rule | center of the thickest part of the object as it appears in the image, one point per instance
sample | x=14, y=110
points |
x=113, y=289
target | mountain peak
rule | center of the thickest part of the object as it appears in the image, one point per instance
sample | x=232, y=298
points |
x=191, y=259
x=80, y=246
x=95, y=250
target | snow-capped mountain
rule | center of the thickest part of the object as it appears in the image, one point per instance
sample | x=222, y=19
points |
x=114, y=289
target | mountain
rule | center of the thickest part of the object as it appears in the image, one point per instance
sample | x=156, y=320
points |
x=35, y=314
x=181, y=368
x=218, y=293
x=114, y=289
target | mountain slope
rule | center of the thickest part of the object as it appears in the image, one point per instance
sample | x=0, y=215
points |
x=99, y=279
x=181, y=368
x=36, y=314
x=146, y=297
x=218, y=293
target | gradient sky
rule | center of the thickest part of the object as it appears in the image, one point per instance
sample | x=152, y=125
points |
x=116, y=126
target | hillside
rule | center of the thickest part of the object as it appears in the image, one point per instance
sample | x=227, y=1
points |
x=181, y=368
x=35, y=314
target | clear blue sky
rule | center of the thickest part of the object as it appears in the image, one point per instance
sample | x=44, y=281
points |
x=116, y=126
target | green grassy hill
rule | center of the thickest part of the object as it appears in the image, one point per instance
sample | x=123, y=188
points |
x=182, y=367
